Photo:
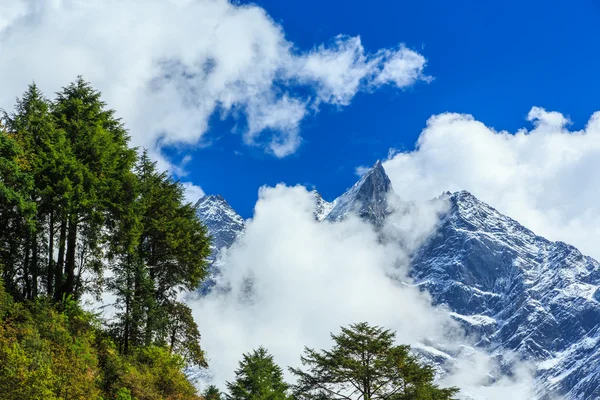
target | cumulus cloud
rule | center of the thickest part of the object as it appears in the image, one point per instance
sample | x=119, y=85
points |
x=545, y=177
x=402, y=68
x=167, y=66
x=287, y=285
x=192, y=192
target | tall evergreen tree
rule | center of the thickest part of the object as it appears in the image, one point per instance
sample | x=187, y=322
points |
x=183, y=335
x=258, y=378
x=48, y=161
x=102, y=166
x=162, y=250
x=365, y=364
x=17, y=213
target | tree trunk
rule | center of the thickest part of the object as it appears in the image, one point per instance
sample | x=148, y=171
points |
x=140, y=301
x=151, y=318
x=127, y=324
x=26, y=280
x=50, y=274
x=58, y=272
x=34, y=267
x=69, y=286
x=128, y=289
x=173, y=339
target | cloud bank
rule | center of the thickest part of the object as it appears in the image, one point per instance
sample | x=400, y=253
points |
x=547, y=178
x=167, y=66
x=292, y=280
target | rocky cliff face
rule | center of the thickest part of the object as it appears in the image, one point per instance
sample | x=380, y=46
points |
x=368, y=198
x=322, y=207
x=516, y=290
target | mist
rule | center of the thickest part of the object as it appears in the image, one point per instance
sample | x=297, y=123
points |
x=290, y=281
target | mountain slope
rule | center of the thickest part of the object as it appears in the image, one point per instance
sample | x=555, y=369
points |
x=536, y=297
x=224, y=226
x=322, y=207
x=220, y=218
x=509, y=288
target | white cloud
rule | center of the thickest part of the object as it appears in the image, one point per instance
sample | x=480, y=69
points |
x=282, y=117
x=361, y=170
x=547, y=178
x=338, y=70
x=343, y=69
x=402, y=68
x=310, y=278
x=11, y=12
x=166, y=66
x=193, y=193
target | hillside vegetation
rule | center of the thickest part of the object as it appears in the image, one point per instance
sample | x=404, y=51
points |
x=83, y=212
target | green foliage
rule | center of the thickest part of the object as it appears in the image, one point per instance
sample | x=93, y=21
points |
x=160, y=249
x=46, y=354
x=76, y=200
x=366, y=364
x=154, y=373
x=212, y=393
x=17, y=212
x=124, y=394
x=258, y=378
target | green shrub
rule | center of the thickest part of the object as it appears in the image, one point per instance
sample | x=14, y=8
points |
x=46, y=354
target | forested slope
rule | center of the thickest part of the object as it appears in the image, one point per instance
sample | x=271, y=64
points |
x=82, y=212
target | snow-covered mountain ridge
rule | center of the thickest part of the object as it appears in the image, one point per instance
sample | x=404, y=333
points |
x=508, y=287
x=518, y=291
x=224, y=226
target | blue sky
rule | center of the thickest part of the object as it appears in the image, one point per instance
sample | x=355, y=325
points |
x=494, y=60
x=206, y=85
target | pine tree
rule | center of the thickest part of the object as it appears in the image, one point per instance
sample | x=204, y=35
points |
x=48, y=155
x=159, y=250
x=212, y=393
x=183, y=335
x=258, y=378
x=101, y=169
x=17, y=214
x=365, y=364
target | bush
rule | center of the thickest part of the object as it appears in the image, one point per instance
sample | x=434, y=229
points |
x=47, y=354
x=153, y=373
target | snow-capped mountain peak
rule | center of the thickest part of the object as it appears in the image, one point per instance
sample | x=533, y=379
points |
x=219, y=217
x=368, y=198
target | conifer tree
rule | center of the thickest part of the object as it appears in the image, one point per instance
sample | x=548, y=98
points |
x=183, y=335
x=365, y=364
x=258, y=378
x=17, y=213
x=160, y=250
x=101, y=168
x=48, y=156
x=212, y=393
